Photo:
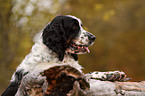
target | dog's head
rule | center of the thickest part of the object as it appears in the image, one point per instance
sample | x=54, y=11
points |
x=65, y=34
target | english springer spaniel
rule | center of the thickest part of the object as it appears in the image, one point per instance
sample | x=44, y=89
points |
x=61, y=40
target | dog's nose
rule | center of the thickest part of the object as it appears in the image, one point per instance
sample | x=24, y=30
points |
x=92, y=38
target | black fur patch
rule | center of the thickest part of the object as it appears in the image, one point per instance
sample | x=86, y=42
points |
x=75, y=56
x=59, y=33
x=11, y=90
x=13, y=87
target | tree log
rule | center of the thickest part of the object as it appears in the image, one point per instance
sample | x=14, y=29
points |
x=107, y=88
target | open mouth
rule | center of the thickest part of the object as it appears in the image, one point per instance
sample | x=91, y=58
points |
x=79, y=48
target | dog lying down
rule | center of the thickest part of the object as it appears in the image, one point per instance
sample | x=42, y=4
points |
x=51, y=68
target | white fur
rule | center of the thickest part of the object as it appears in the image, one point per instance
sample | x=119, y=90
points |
x=41, y=58
x=83, y=37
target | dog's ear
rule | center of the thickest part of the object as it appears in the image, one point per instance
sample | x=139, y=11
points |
x=54, y=38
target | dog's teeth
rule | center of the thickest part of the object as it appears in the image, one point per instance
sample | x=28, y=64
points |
x=79, y=48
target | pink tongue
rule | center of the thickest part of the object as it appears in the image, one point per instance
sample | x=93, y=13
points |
x=87, y=49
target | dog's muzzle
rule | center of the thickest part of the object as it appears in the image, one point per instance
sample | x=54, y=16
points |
x=91, y=38
x=80, y=45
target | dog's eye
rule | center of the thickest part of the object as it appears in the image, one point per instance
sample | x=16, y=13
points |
x=74, y=27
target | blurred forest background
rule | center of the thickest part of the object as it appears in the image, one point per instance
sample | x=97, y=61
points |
x=119, y=27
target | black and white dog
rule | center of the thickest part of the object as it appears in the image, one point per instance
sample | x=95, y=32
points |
x=60, y=42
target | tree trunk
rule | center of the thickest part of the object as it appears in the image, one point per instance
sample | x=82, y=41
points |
x=107, y=88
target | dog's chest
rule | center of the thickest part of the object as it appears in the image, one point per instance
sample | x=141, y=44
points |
x=41, y=58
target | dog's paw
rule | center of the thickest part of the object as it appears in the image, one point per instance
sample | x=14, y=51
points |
x=109, y=76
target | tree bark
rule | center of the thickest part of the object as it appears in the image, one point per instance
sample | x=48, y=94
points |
x=107, y=88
